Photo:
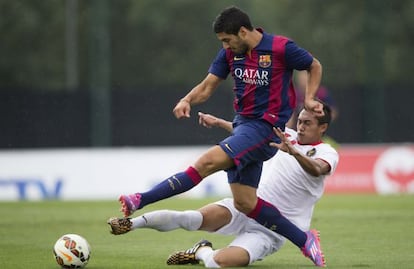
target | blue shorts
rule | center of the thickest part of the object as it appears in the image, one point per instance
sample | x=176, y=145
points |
x=248, y=146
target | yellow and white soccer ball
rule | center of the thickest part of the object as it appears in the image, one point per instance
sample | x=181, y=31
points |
x=72, y=251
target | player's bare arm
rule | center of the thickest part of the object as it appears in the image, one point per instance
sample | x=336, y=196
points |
x=208, y=121
x=199, y=94
x=314, y=80
x=315, y=167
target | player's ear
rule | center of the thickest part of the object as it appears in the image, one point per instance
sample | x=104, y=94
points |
x=242, y=32
x=323, y=127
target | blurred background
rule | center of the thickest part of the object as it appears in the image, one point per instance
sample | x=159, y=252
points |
x=103, y=73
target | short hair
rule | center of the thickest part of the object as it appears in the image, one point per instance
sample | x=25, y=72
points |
x=327, y=113
x=327, y=117
x=230, y=20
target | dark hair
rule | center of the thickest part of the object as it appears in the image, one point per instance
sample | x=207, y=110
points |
x=230, y=20
x=327, y=117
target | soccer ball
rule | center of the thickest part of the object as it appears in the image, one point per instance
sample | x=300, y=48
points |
x=72, y=251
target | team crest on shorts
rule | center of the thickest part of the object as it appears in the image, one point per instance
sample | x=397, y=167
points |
x=311, y=152
x=265, y=61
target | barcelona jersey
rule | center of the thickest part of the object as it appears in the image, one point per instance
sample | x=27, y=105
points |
x=263, y=87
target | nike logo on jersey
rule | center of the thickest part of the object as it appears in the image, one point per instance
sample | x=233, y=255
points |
x=238, y=58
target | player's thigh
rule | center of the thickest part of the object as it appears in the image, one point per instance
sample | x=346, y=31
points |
x=232, y=257
x=215, y=159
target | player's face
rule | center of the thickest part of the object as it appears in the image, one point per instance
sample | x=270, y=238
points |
x=233, y=42
x=308, y=128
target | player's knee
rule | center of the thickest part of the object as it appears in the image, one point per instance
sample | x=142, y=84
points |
x=244, y=205
x=205, y=166
x=239, y=259
x=212, y=161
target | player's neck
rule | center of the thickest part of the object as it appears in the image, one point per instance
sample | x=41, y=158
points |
x=254, y=39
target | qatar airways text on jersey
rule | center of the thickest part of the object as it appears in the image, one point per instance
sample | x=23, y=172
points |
x=252, y=76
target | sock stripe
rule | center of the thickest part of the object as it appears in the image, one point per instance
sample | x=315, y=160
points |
x=194, y=175
x=255, y=212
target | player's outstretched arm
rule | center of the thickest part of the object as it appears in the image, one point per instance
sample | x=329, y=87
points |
x=199, y=94
x=208, y=121
x=315, y=167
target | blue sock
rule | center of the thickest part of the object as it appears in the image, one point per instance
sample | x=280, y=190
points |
x=171, y=186
x=270, y=217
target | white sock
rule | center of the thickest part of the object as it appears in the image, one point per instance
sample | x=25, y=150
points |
x=167, y=220
x=206, y=254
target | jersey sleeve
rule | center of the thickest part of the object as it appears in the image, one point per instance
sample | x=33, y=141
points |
x=297, y=57
x=220, y=66
x=290, y=134
x=329, y=155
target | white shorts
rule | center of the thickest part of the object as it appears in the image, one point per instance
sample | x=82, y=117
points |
x=256, y=239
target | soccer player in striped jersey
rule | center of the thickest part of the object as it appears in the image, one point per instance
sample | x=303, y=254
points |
x=261, y=65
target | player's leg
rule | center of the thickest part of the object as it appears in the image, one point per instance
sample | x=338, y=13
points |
x=160, y=220
x=224, y=257
x=244, y=187
x=215, y=217
x=215, y=159
x=252, y=242
x=252, y=245
x=246, y=200
x=208, y=218
x=249, y=147
x=270, y=217
x=203, y=251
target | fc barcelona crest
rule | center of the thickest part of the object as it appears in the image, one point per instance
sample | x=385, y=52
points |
x=265, y=61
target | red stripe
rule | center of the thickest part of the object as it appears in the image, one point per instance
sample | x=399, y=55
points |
x=249, y=101
x=276, y=85
x=255, y=212
x=193, y=174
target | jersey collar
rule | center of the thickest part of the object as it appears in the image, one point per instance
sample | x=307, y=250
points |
x=311, y=144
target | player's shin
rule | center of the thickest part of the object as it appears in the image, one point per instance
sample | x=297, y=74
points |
x=168, y=220
x=171, y=186
x=270, y=217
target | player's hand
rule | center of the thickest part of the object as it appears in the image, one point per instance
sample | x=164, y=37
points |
x=284, y=145
x=314, y=106
x=182, y=109
x=207, y=120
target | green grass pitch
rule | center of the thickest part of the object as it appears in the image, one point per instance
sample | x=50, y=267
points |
x=357, y=231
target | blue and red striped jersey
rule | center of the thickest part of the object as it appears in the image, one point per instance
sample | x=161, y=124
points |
x=263, y=85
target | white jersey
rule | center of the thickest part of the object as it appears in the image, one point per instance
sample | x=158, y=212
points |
x=286, y=185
